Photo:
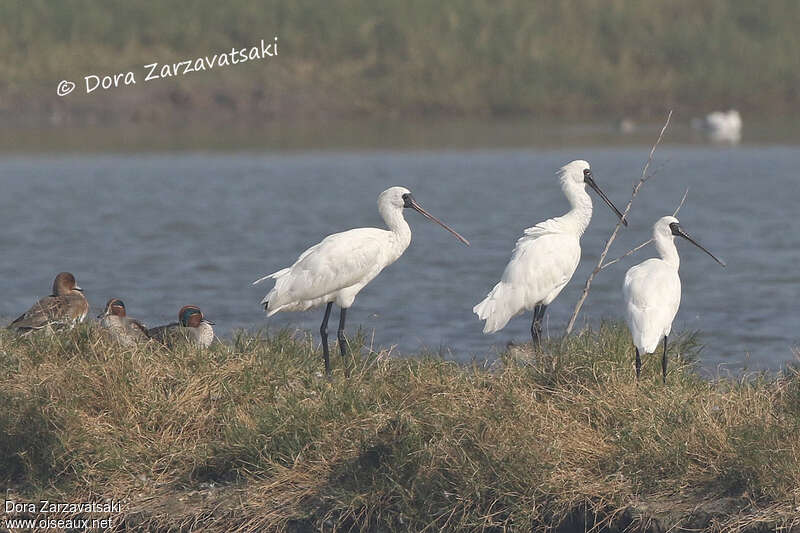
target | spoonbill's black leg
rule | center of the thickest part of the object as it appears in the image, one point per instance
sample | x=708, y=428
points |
x=343, y=341
x=533, y=324
x=664, y=362
x=323, y=331
x=536, y=325
x=638, y=364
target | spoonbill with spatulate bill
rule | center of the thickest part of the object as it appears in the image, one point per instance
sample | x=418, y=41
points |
x=652, y=292
x=545, y=257
x=336, y=269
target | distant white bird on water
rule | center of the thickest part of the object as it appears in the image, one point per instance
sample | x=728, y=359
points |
x=721, y=126
x=336, y=269
x=652, y=291
x=545, y=257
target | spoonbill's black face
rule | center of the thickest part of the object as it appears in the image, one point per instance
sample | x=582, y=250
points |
x=410, y=202
x=678, y=231
x=588, y=179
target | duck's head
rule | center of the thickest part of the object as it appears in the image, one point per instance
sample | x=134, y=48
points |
x=115, y=307
x=64, y=284
x=190, y=316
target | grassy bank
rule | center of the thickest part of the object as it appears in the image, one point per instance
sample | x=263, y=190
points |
x=250, y=435
x=356, y=58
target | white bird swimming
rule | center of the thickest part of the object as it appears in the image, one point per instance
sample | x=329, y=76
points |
x=336, y=269
x=652, y=291
x=545, y=257
x=721, y=126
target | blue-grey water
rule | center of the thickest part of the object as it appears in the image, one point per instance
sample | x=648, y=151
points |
x=161, y=231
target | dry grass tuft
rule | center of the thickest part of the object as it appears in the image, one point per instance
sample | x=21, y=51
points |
x=250, y=436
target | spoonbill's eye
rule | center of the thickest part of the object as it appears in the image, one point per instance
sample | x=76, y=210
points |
x=587, y=172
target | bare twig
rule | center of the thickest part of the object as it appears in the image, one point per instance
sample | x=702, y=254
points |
x=642, y=180
x=683, y=200
x=645, y=243
x=626, y=254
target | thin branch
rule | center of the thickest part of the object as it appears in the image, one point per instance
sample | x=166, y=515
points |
x=648, y=241
x=683, y=200
x=626, y=254
x=642, y=180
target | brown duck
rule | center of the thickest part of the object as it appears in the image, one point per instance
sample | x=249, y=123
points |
x=64, y=308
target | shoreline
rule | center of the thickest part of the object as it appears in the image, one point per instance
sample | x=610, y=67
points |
x=390, y=135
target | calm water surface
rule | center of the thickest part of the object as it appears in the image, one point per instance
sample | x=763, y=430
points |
x=161, y=231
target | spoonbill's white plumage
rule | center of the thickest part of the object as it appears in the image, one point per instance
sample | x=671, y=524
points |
x=336, y=269
x=652, y=292
x=545, y=257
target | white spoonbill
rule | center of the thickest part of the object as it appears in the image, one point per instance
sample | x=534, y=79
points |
x=545, y=257
x=336, y=269
x=652, y=291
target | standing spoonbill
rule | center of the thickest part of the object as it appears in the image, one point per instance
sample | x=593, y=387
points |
x=545, y=257
x=652, y=291
x=336, y=269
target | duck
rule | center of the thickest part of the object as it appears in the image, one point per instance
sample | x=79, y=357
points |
x=191, y=326
x=117, y=325
x=64, y=308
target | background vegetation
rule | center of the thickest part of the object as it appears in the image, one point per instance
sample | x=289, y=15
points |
x=250, y=436
x=352, y=58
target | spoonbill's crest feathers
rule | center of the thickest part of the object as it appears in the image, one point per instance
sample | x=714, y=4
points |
x=392, y=197
x=573, y=171
x=662, y=226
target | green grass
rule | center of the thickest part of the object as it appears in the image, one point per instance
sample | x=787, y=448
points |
x=252, y=430
x=390, y=58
